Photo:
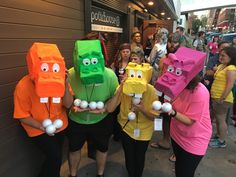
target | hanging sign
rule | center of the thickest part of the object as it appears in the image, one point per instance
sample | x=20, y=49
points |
x=104, y=20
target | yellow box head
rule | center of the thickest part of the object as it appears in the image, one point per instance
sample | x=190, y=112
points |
x=138, y=78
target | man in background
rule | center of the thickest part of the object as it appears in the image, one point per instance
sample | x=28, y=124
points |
x=184, y=40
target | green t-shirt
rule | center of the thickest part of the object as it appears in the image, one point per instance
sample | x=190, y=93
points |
x=99, y=92
x=185, y=41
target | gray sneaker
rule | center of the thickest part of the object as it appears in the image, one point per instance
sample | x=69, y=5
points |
x=217, y=144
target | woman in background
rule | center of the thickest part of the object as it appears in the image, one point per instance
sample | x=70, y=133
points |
x=221, y=94
x=137, y=55
x=118, y=66
x=213, y=47
x=122, y=60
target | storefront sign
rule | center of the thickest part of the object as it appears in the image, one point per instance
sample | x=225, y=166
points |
x=103, y=20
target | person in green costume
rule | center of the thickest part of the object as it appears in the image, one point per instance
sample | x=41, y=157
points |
x=91, y=82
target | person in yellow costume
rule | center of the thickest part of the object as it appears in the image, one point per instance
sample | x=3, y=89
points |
x=136, y=116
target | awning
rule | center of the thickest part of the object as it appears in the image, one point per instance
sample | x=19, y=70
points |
x=162, y=9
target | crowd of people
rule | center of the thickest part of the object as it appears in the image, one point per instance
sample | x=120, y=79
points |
x=100, y=101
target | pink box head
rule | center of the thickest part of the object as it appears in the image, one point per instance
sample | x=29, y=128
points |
x=180, y=68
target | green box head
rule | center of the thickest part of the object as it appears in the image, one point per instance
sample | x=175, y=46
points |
x=89, y=61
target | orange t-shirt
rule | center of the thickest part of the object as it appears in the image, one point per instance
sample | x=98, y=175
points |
x=27, y=103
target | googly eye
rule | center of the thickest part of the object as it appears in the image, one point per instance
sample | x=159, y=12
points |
x=170, y=69
x=94, y=61
x=178, y=71
x=139, y=74
x=44, y=67
x=86, y=61
x=55, y=68
x=132, y=73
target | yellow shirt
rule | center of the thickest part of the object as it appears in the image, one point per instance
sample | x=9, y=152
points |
x=141, y=122
x=219, y=83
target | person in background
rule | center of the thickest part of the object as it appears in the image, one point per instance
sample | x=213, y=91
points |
x=212, y=64
x=199, y=43
x=221, y=94
x=184, y=40
x=165, y=33
x=233, y=44
x=136, y=40
x=158, y=52
x=148, y=46
x=172, y=46
x=213, y=47
x=112, y=41
x=173, y=42
x=137, y=55
x=118, y=66
x=122, y=59
x=35, y=112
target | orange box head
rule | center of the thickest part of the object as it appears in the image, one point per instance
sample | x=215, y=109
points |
x=46, y=68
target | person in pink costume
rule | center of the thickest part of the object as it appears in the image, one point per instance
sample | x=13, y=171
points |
x=191, y=124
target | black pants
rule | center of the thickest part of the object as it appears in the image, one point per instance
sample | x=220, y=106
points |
x=134, y=154
x=51, y=146
x=186, y=163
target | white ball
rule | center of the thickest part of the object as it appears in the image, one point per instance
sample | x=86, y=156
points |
x=46, y=122
x=100, y=105
x=77, y=102
x=58, y=123
x=92, y=105
x=50, y=129
x=166, y=107
x=156, y=105
x=131, y=116
x=83, y=104
x=136, y=101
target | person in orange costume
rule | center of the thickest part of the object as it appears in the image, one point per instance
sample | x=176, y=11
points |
x=38, y=97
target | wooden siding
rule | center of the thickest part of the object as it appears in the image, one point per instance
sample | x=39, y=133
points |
x=22, y=23
x=119, y=5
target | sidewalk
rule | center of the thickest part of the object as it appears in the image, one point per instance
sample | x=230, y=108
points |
x=216, y=163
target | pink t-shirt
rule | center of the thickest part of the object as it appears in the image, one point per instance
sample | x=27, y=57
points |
x=213, y=46
x=194, y=138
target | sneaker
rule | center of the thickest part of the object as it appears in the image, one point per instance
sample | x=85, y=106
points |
x=215, y=137
x=217, y=144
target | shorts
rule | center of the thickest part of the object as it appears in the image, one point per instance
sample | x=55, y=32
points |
x=220, y=110
x=99, y=134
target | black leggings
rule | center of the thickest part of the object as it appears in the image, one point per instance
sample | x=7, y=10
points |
x=134, y=154
x=186, y=163
x=51, y=146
